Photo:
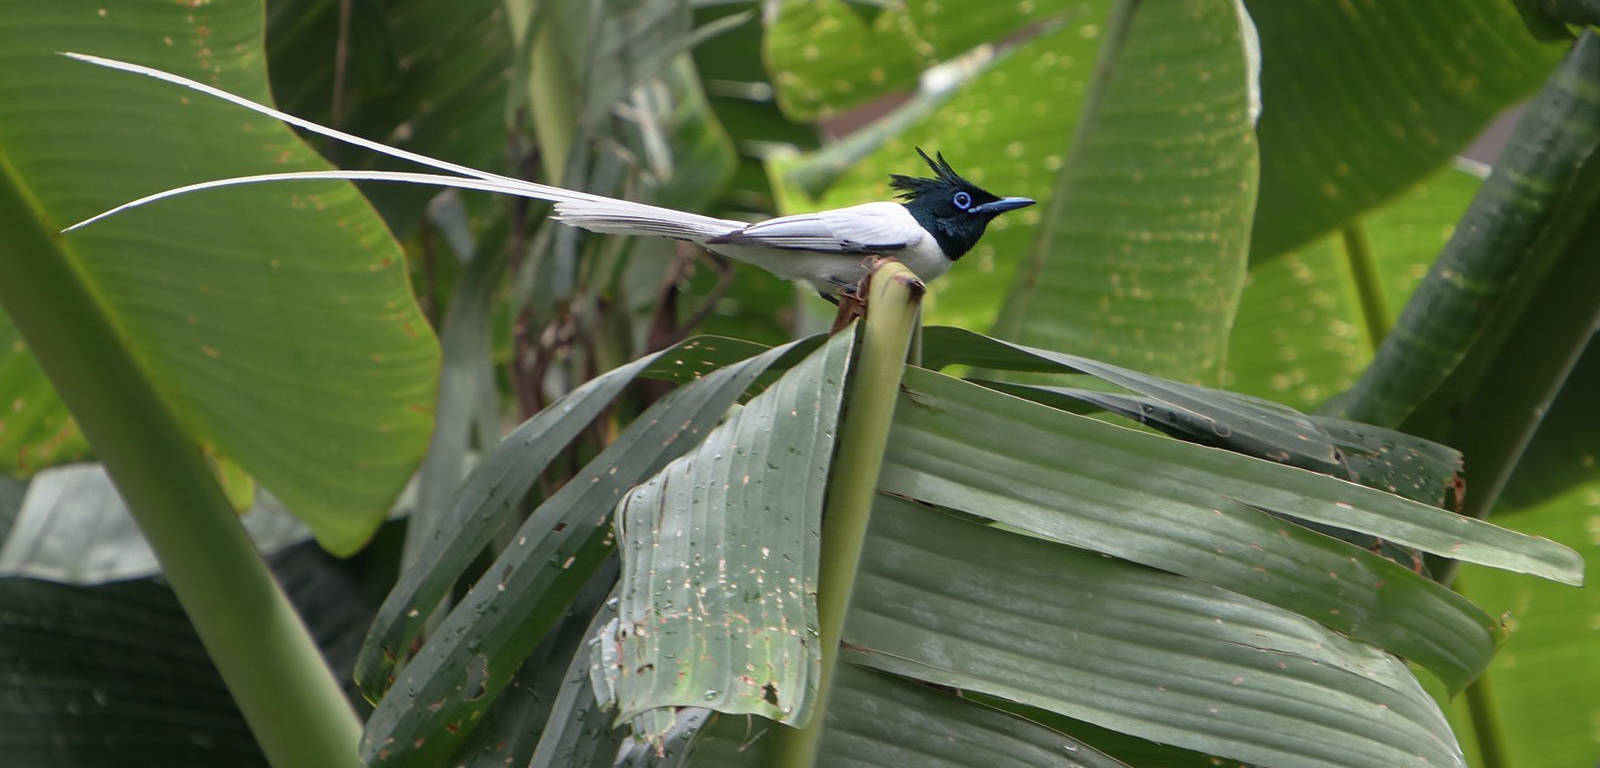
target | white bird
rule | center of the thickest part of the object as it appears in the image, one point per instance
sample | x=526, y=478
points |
x=940, y=219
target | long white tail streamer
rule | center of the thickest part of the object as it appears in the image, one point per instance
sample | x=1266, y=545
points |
x=469, y=178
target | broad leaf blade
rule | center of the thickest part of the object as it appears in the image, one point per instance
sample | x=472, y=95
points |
x=1142, y=253
x=1535, y=203
x=720, y=549
x=437, y=699
x=1198, y=472
x=277, y=325
x=882, y=720
x=1261, y=427
x=480, y=508
x=1159, y=656
x=1105, y=488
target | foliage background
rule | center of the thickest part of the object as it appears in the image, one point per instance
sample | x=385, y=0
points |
x=742, y=110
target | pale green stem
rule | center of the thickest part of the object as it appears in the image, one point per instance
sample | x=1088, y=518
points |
x=268, y=660
x=1369, y=291
x=893, y=301
x=1485, y=724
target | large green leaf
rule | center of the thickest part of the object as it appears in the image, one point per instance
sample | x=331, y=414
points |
x=1143, y=498
x=1365, y=99
x=1156, y=655
x=1141, y=255
x=1221, y=477
x=277, y=325
x=489, y=497
x=437, y=699
x=876, y=719
x=701, y=541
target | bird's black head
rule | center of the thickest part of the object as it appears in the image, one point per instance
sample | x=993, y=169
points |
x=952, y=209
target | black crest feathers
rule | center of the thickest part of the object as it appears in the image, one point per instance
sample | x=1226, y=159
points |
x=946, y=178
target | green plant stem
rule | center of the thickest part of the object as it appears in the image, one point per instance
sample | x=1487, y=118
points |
x=1485, y=725
x=267, y=658
x=1369, y=291
x=893, y=300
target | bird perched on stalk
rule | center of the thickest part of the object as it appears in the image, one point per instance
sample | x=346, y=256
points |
x=940, y=219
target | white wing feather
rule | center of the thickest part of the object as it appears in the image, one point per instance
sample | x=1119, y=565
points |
x=866, y=228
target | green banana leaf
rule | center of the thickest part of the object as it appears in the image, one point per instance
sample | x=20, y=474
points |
x=435, y=701
x=1140, y=256
x=748, y=499
x=879, y=719
x=1162, y=657
x=294, y=349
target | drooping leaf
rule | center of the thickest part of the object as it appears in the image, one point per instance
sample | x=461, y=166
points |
x=436, y=700
x=717, y=598
x=257, y=315
x=1223, y=477
x=1257, y=427
x=1162, y=657
x=491, y=494
x=1413, y=467
x=578, y=732
x=1144, y=498
x=1141, y=255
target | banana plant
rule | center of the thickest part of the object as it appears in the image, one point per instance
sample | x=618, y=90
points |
x=816, y=553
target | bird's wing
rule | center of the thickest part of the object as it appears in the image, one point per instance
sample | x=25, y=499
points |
x=869, y=228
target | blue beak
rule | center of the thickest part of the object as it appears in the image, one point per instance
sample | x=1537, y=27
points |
x=1002, y=205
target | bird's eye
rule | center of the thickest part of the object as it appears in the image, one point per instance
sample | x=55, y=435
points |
x=962, y=200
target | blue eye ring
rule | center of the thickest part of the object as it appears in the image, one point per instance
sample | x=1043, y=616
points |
x=962, y=200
